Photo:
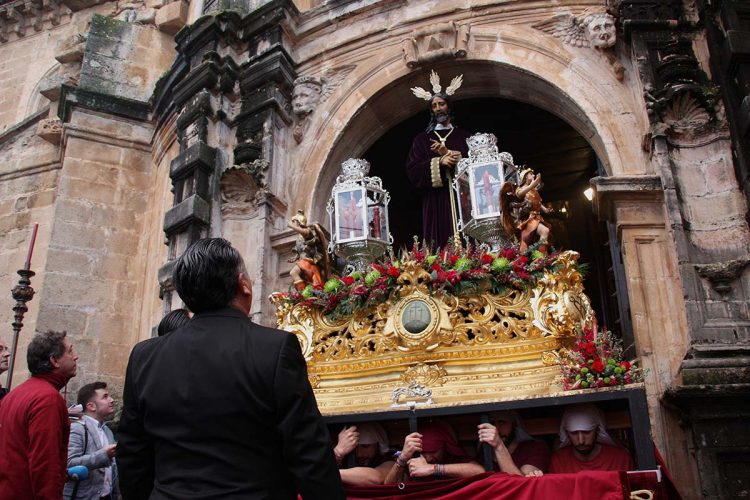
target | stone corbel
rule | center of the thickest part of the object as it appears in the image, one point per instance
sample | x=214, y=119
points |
x=721, y=274
x=441, y=41
x=50, y=130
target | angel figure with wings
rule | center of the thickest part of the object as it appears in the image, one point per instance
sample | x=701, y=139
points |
x=311, y=261
x=522, y=211
x=593, y=28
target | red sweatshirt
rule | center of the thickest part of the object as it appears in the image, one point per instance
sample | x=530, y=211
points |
x=34, y=429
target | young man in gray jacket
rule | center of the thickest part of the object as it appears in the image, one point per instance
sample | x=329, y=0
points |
x=92, y=445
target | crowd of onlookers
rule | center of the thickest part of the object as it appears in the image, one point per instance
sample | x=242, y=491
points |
x=219, y=407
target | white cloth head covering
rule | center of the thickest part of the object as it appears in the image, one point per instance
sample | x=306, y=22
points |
x=584, y=417
x=513, y=416
x=370, y=433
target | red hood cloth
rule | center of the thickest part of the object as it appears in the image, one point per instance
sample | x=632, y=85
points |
x=436, y=436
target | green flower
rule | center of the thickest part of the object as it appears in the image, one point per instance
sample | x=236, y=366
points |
x=371, y=277
x=500, y=264
x=332, y=285
x=536, y=255
x=356, y=275
x=307, y=292
x=462, y=264
x=430, y=259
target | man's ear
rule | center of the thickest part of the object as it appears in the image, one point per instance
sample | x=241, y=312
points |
x=245, y=285
x=54, y=362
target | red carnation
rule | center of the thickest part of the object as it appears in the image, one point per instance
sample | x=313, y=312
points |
x=318, y=286
x=486, y=259
x=520, y=262
x=589, y=349
x=393, y=272
x=598, y=366
x=625, y=364
x=508, y=253
x=453, y=277
x=453, y=259
x=436, y=267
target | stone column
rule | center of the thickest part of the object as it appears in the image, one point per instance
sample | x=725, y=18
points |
x=657, y=308
x=689, y=142
x=231, y=87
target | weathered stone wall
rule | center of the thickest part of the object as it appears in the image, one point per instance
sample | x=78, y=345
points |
x=29, y=176
x=23, y=63
x=97, y=248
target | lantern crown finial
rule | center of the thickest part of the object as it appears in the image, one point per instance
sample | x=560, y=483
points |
x=482, y=144
x=355, y=168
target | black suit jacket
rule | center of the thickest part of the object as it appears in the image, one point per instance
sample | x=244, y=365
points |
x=222, y=409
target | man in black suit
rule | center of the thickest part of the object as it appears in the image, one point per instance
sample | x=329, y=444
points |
x=222, y=408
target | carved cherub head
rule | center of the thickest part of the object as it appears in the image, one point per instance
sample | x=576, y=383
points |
x=600, y=30
x=306, y=95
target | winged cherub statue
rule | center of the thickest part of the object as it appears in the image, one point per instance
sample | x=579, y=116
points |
x=311, y=260
x=523, y=209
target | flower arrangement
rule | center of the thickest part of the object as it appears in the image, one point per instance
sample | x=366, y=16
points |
x=454, y=270
x=596, y=360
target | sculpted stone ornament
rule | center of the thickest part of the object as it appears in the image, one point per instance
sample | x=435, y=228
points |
x=240, y=185
x=440, y=41
x=593, y=28
x=685, y=107
x=310, y=91
x=721, y=274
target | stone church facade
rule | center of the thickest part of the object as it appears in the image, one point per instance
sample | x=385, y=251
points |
x=128, y=130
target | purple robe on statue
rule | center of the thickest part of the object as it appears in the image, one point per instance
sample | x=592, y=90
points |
x=437, y=222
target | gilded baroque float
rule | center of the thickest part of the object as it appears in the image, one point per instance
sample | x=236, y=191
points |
x=424, y=345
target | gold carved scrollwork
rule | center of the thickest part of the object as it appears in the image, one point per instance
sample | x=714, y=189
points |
x=416, y=334
x=424, y=374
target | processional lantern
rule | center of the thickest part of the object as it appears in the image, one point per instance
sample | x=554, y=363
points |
x=477, y=186
x=358, y=211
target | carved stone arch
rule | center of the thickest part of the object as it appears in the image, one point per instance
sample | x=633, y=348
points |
x=368, y=106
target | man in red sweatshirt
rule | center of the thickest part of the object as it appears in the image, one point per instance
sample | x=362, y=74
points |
x=34, y=424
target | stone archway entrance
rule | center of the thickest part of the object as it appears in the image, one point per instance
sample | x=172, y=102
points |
x=535, y=122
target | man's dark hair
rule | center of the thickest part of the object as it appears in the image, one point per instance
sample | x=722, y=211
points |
x=88, y=392
x=172, y=321
x=45, y=345
x=433, y=120
x=205, y=276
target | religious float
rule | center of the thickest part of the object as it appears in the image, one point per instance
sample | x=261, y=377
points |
x=494, y=320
